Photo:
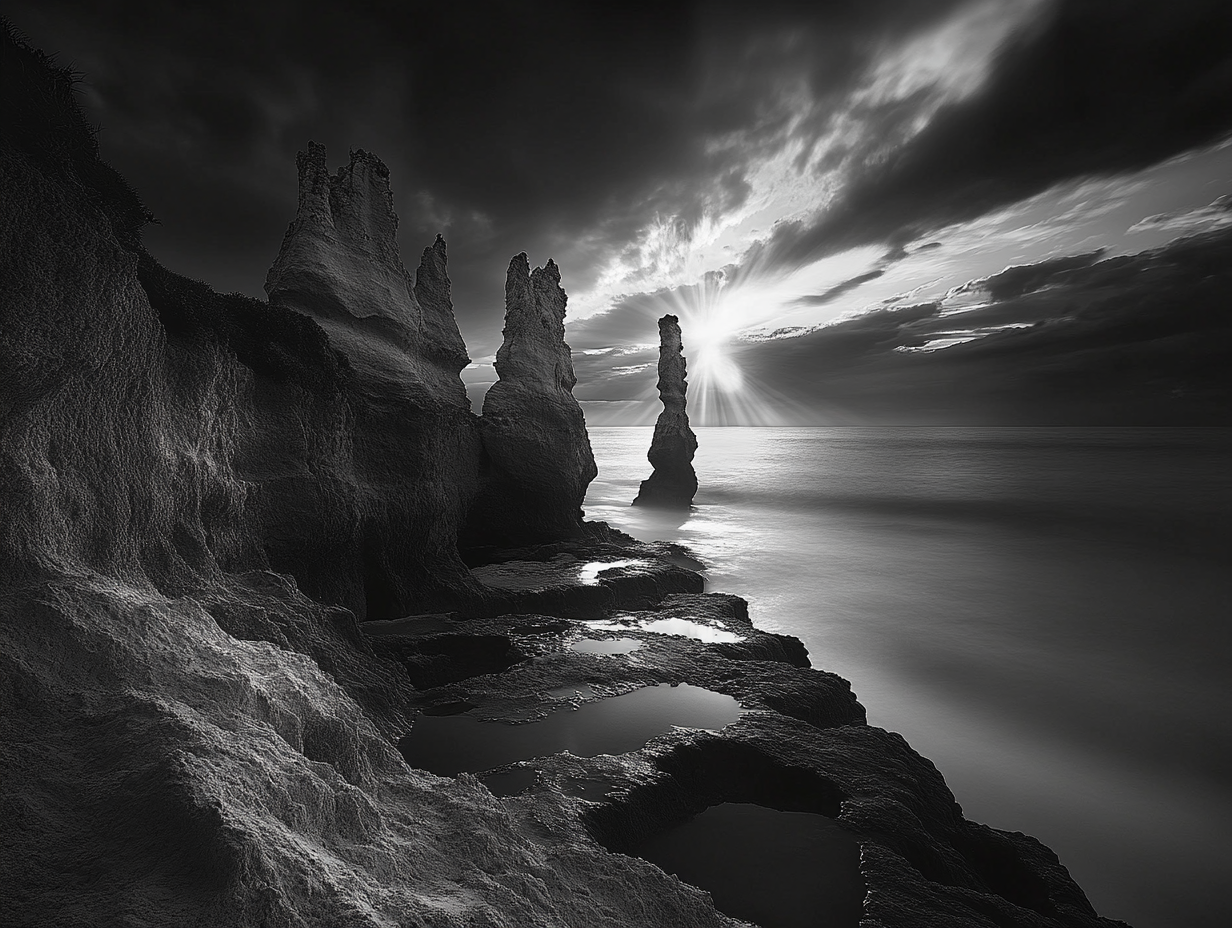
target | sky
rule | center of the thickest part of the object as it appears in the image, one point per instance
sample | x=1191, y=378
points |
x=887, y=212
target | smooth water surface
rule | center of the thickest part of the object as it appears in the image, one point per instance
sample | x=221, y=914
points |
x=448, y=745
x=673, y=625
x=1044, y=613
x=777, y=869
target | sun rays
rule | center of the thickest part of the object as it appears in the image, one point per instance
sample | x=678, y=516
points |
x=712, y=314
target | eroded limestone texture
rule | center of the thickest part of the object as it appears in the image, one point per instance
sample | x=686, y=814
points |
x=673, y=483
x=198, y=494
x=538, y=461
x=354, y=498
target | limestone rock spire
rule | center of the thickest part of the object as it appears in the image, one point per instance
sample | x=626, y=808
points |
x=340, y=254
x=539, y=456
x=673, y=482
x=340, y=264
x=441, y=338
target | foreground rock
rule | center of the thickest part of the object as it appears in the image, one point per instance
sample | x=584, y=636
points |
x=673, y=483
x=800, y=744
x=538, y=461
x=199, y=494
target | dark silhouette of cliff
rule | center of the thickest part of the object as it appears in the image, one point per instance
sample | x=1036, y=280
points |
x=200, y=497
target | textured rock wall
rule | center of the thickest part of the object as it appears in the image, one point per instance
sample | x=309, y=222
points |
x=365, y=504
x=102, y=465
x=185, y=737
x=537, y=456
x=673, y=482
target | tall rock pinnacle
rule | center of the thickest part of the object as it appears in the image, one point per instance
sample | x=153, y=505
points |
x=673, y=482
x=539, y=457
x=441, y=338
x=340, y=254
x=339, y=263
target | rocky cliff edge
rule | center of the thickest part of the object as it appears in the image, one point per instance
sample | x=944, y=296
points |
x=200, y=493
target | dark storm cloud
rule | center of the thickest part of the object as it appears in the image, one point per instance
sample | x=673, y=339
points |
x=1015, y=281
x=556, y=128
x=828, y=296
x=1093, y=88
x=203, y=107
x=1140, y=339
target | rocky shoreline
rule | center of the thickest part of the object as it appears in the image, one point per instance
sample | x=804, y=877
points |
x=246, y=545
x=801, y=743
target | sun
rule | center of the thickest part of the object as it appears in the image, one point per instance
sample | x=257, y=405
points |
x=714, y=369
x=713, y=313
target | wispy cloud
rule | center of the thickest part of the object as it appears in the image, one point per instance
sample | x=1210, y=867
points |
x=1216, y=215
x=1140, y=339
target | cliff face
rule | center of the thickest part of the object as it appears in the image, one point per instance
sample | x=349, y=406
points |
x=365, y=505
x=673, y=482
x=187, y=738
x=538, y=460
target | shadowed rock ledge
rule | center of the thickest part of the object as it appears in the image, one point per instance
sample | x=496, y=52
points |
x=200, y=494
x=673, y=483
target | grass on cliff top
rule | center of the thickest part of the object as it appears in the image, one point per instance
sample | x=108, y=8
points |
x=271, y=340
x=42, y=119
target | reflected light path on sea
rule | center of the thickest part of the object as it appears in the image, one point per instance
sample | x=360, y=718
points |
x=1041, y=612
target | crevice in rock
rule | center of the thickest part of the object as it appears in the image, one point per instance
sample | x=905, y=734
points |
x=380, y=594
x=436, y=660
x=996, y=860
x=698, y=775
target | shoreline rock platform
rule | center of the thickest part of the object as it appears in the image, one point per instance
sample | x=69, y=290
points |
x=246, y=545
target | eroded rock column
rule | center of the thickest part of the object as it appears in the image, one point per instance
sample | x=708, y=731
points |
x=673, y=483
x=538, y=457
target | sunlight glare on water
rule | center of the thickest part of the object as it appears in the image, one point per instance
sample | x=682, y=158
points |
x=1041, y=612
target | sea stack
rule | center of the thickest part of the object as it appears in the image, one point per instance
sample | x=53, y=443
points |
x=673, y=482
x=537, y=461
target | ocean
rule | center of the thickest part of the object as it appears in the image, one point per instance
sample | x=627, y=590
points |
x=1046, y=614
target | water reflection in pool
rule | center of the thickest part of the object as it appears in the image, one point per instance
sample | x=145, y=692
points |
x=605, y=645
x=777, y=869
x=589, y=573
x=449, y=745
x=669, y=626
x=510, y=782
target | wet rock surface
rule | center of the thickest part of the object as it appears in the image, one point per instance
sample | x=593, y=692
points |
x=673, y=483
x=230, y=584
x=800, y=745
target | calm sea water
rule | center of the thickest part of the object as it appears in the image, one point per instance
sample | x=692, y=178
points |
x=1046, y=614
